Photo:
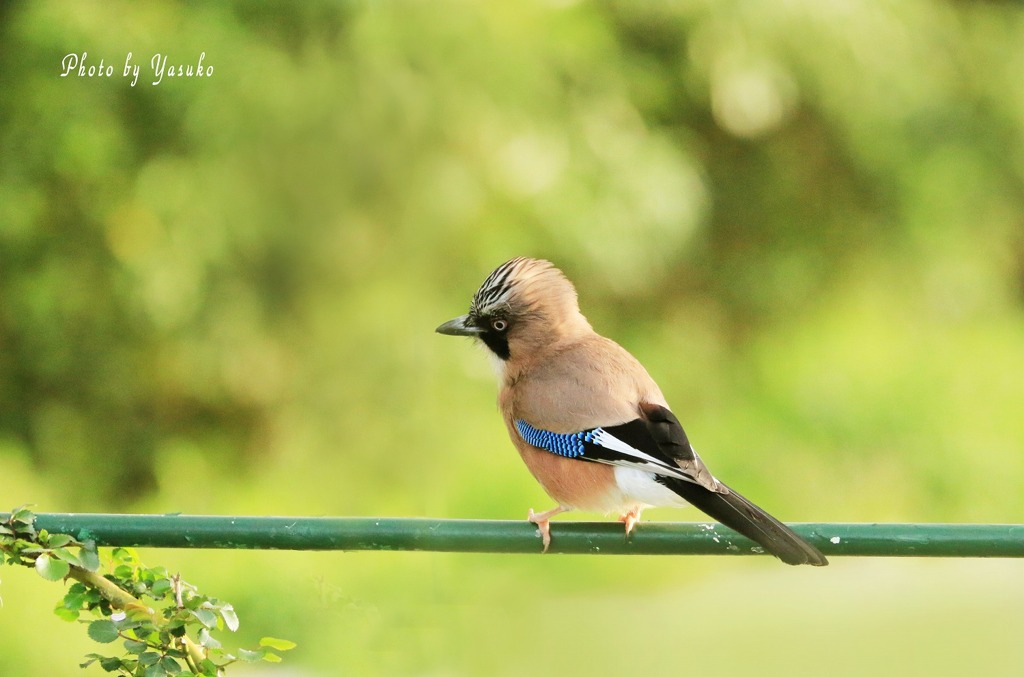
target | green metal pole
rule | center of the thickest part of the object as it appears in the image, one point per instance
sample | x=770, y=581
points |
x=438, y=535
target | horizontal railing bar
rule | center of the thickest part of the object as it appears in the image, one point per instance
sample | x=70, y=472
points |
x=443, y=535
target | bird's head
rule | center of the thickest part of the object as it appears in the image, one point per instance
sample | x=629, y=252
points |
x=524, y=306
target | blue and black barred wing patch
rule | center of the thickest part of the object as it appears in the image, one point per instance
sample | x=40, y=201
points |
x=628, y=444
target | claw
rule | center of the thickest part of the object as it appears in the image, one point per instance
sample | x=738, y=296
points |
x=542, y=521
x=631, y=519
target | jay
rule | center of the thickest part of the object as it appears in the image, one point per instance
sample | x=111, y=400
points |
x=589, y=422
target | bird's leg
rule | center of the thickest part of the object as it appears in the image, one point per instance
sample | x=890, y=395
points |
x=631, y=519
x=542, y=521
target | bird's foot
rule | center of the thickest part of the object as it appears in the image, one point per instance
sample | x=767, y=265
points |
x=630, y=519
x=542, y=521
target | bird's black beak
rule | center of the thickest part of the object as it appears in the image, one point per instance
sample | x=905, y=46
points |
x=460, y=326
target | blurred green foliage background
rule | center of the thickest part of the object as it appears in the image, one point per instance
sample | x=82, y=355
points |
x=217, y=295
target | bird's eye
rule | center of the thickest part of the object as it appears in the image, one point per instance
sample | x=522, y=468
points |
x=499, y=325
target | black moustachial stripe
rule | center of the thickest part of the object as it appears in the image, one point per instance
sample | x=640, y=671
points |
x=497, y=342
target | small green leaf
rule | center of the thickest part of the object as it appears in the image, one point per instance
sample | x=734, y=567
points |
x=93, y=597
x=89, y=557
x=135, y=646
x=73, y=600
x=127, y=625
x=123, y=555
x=56, y=540
x=103, y=631
x=206, y=640
x=66, y=614
x=52, y=569
x=251, y=656
x=145, y=632
x=227, y=612
x=279, y=644
x=159, y=572
x=155, y=671
x=23, y=514
x=149, y=658
x=161, y=587
x=111, y=663
x=206, y=617
x=271, y=658
x=67, y=556
x=194, y=601
x=209, y=668
x=170, y=666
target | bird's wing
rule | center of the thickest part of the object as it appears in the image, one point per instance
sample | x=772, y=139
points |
x=654, y=442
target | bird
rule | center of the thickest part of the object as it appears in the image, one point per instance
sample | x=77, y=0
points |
x=589, y=422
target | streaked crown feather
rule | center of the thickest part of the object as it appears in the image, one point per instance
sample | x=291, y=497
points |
x=523, y=284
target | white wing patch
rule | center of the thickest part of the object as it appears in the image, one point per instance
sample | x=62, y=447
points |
x=643, y=461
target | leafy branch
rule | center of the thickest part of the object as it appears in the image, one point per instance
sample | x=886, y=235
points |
x=163, y=622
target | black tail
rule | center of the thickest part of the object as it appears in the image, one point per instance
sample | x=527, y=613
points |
x=738, y=513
